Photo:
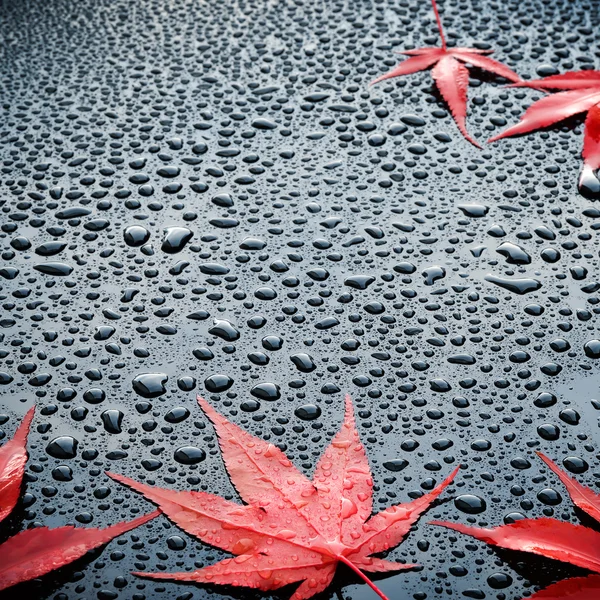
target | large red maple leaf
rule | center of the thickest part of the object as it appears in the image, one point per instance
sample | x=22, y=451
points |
x=449, y=72
x=555, y=539
x=35, y=552
x=292, y=529
x=580, y=93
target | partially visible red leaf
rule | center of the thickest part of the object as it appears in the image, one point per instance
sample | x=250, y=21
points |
x=315, y=584
x=344, y=485
x=591, y=139
x=293, y=529
x=479, y=60
x=576, y=588
x=450, y=76
x=232, y=527
x=581, y=496
x=260, y=471
x=387, y=528
x=581, y=93
x=452, y=80
x=379, y=565
x=572, y=80
x=549, y=110
x=551, y=538
x=35, y=552
x=13, y=456
x=475, y=51
x=265, y=572
x=414, y=64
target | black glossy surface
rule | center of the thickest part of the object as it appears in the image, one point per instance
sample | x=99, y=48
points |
x=207, y=197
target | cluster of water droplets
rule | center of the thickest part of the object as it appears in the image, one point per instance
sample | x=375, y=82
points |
x=206, y=201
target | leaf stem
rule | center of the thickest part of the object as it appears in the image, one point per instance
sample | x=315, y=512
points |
x=350, y=565
x=439, y=23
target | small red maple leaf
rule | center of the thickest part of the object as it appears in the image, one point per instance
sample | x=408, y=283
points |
x=35, y=552
x=555, y=539
x=580, y=92
x=292, y=529
x=449, y=73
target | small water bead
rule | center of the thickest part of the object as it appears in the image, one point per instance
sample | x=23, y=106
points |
x=440, y=386
x=520, y=463
x=589, y=185
x=92, y=396
x=496, y=231
x=560, y=345
x=592, y=349
x=534, y=310
x=186, y=383
x=176, y=542
x=569, y=416
x=63, y=447
x=259, y=358
x=266, y=391
x=272, y=343
x=177, y=415
x=55, y=269
x=514, y=254
x=176, y=239
x=549, y=497
x=225, y=330
x=308, y=412
x=499, y=581
x=251, y=243
x=470, y=504
x=409, y=445
x=218, y=383
x=304, y=362
x=250, y=405
x=359, y=282
x=150, y=385
x=550, y=255
x=50, y=248
x=513, y=517
x=136, y=236
x=222, y=200
x=79, y=413
x=66, y=394
x=548, y=431
x=112, y=420
x=545, y=400
x=62, y=473
x=203, y=353
x=189, y=455
x=396, y=465
x=575, y=464
x=475, y=211
x=481, y=445
x=265, y=293
x=433, y=274
x=515, y=285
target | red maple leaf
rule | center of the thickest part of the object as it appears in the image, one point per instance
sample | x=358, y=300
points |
x=292, y=529
x=580, y=92
x=13, y=457
x=35, y=552
x=555, y=539
x=449, y=72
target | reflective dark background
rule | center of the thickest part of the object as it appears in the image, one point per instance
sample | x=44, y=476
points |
x=207, y=197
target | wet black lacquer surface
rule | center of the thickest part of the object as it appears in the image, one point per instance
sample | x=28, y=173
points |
x=207, y=197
